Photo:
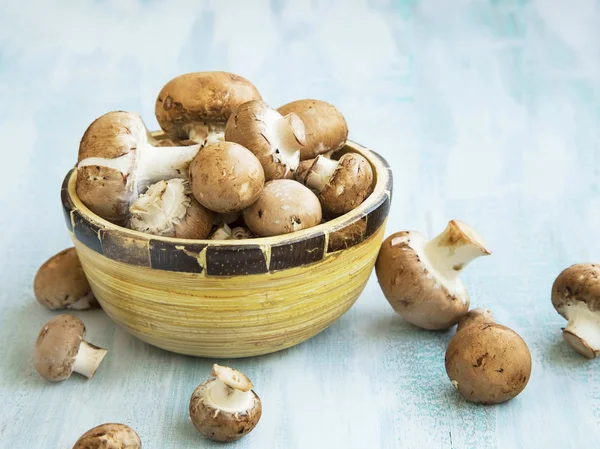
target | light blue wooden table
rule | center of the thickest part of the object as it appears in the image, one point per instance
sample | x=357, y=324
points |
x=488, y=111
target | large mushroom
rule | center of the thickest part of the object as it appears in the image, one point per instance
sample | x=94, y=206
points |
x=420, y=277
x=61, y=350
x=283, y=206
x=226, y=177
x=576, y=297
x=109, y=436
x=326, y=128
x=340, y=185
x=224, y=408
x=275, y=139
x=168, y=208
x=196, y=106
x=60, y=283
x=486, y=362
x=118, y=161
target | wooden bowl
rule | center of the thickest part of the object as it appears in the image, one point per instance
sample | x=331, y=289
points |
x=230, y=298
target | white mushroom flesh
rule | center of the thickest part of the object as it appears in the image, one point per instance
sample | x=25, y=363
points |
x=88, y=359
x=83, y=303
x=207, y=133
x=583, y=323
x=223, y=232
x=220, y=396
x=163, y=206
x=319, y=175
x=280, y=132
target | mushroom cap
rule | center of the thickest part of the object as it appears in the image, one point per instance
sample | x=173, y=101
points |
x=475, y=316
x=201, y=98
x=580, y=283
x=104, y=189
x=488, y=363
x=226, y=177
x=411, y=289
x=60, y=282
x=350, y=184
x=221, y=425
x=283, y=206
x=109, y=436
x=168, y=208
x=326, y=128
x=251, y=125
x=57, y=346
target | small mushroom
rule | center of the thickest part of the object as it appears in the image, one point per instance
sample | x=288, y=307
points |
x=196, y=106
x=326, y=128
x=486, y=362
x=420, y=277
x=340, y=185
x=224, y=408
x=168, y=208
x=283, y=206
x=118, y=161
x=109, y=436
x=226, y=177
x=60, y=349
x=60, y=283
x=576, y=297
x=275, y=139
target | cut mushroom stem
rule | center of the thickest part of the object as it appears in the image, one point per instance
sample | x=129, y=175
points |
x=321, y=172
x=223, y=232
x=88, y=359
x=231, y=390
x=454, y=249
x=582, y=332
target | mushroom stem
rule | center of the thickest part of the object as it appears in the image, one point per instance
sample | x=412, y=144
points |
x=229, y=399
x=454, y=248
x=320, y=173
x=88, y=359
x=205, y=134
x=287, y=135
x=583, y=330
x=87, y=302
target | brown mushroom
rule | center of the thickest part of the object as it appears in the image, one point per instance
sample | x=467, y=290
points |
x=276, y=140
x=326, y=128
x=60, y=283
x=118, y=161
x=283, y=206
x=340, y=185
x=224, y=408
x=420, y=277
x=109, y=436
x=475, y=316
x=576, y=297
x=486, y=362
x=60, y=349
x=225, y=177
x=168, y=208
x=196, y=106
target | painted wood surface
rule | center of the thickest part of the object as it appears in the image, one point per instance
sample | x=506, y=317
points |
x=488, y=111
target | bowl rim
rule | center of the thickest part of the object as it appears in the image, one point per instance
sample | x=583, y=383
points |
x=85, y=224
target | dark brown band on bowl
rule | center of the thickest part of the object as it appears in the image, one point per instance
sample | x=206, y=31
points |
x=220, y=259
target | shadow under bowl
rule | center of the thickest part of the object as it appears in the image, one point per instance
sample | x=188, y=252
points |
x=236, y=298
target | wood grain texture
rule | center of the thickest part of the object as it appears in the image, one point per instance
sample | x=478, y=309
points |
x=486, y=110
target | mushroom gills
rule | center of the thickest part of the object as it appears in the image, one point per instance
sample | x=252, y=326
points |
x=584, y=325
x=221, y=396
x=88, y=359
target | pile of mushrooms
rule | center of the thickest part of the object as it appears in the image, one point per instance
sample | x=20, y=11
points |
x=224, y=157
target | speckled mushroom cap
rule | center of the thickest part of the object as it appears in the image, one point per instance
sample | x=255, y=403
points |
x=349, y=185
x=109, y=436
x=283, y=206
x=61, y=283
x=226, y=177
x=488, y=363
x=101, y=188
x=326, y=128
x=475, y=316
x=57, y=346
x=201, y=98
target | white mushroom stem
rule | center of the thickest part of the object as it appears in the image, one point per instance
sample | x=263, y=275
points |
x=584, y=324
x=320, y=173
x=286, y=134
x=148, y=164
x=223, y=397
x=88, y=359
x=454, y=249
x=83, y=303
x=223, y=232
x=206, y=133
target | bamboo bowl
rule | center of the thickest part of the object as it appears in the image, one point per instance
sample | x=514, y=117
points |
x=230, y=298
